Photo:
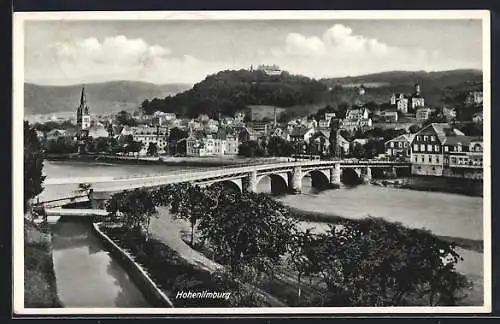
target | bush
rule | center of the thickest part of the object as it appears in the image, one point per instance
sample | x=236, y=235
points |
x=39, y=278
x=172, y=273
x=360, y=269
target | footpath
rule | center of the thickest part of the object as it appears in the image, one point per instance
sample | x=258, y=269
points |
x=167, y=230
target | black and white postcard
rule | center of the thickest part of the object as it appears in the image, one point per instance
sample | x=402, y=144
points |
x=328, y=162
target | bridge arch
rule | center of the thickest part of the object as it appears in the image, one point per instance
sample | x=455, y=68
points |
x=320, y=179
x=278, y=182
x=351, y=176
x=229, y=185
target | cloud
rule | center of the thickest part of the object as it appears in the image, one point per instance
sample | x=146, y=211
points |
x=114, y=58
x=340, y=51
x=302, y=45
x=337, y=41
x=111, y=50
x=336, y=51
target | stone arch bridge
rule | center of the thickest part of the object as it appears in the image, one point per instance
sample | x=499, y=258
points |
x=285, y=177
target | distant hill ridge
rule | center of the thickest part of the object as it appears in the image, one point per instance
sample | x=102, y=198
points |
x=228, y=91
x=409, y=78
x=103, y=97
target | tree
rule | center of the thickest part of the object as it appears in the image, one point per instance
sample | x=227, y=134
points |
x=278, y=146
x=191, y=203
x=62, y=145
x=250, y=149
x=136, y=206
x=300, y=243
x=358, y=269
x=83, y=187
x=102, y=144
x=176, y=134
x=125, y=118
x=373, y=147
x=248, y=229
x=152, y=149
x=33, y=165
x=358, y=151
x=414, y=128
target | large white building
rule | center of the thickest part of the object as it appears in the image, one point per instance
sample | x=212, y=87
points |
x=356, y=118
x=218, y=144
x=147, y=135
x=408, y=103
x=270, y=69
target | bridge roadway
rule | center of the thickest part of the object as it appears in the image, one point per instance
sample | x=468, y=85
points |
x=285, y=176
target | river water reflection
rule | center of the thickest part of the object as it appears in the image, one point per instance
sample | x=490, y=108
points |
x=86, y=275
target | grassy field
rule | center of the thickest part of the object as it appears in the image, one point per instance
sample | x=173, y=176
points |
x=39, y=278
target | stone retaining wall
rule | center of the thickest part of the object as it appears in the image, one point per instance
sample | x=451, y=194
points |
x=149, y=289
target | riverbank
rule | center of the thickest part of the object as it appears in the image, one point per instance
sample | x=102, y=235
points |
x=471, y=251
x=40, y=289
x=332, y=219
x=209, y=161
x=468, y=187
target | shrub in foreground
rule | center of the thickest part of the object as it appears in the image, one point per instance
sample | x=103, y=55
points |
x=39, y=278
x=173, y=274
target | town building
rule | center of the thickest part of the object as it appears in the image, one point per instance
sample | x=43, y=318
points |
x=389, y=116
x=98, y=130
x=478, y=117
x=219, y=144
x=356, y=118
x=324, y=123
x=161, y=118
x=239, y=116
x=464, y=157
x=422, y=114
x=147, y=135
x=408, y=103
x=345, y=145
x=399, y=147
x=449, y=113
x=330, y=115
x=55, y=134
x=439, y=149
x=298, y=134
x=474, y=98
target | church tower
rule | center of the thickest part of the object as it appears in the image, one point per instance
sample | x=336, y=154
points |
x=82, y=116
x=417, y=89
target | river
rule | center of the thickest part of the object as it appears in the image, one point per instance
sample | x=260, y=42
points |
x=86, y=275
x=443, y=213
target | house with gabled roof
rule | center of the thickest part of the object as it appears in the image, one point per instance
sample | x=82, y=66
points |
x=439, y=148
x=399, y=147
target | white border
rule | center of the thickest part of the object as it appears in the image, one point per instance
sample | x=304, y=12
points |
x=18, y=116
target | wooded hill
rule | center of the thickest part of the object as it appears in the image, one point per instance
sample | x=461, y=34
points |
x=229, y=91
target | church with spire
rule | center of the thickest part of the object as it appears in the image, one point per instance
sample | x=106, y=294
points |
x=82, y=117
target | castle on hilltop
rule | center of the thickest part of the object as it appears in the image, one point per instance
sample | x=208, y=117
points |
x=268, y=69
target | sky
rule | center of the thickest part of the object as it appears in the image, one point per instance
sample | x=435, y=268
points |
x=63, y=52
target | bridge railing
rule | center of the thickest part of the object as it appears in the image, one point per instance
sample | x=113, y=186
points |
x=197, y=174
x=200, y=169
x=207, y=174
x=38, y=203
